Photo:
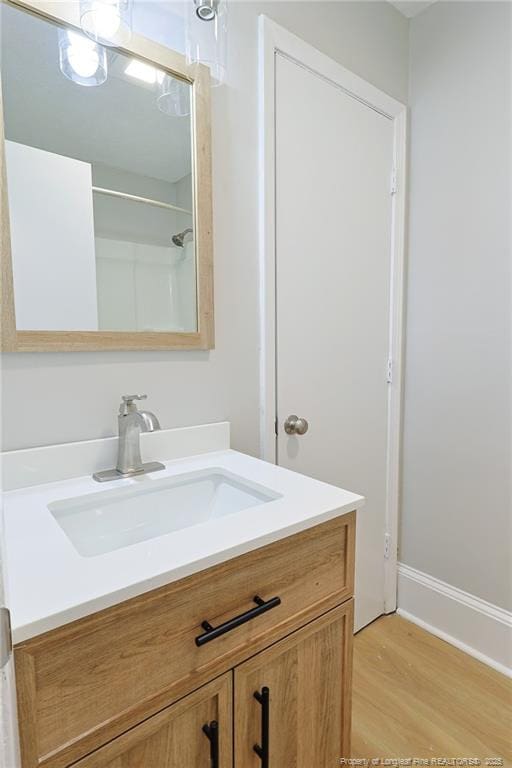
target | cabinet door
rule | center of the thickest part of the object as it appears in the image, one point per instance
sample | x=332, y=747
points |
x=292, y=701
x=174, y=738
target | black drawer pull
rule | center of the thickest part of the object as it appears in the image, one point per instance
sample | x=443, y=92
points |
x=262, y=750
x=211, y=730
x=210, y=633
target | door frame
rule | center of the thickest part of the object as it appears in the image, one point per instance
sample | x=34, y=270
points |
x=274, y=40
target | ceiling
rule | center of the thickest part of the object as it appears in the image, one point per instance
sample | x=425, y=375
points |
x=116, y=124
x=411, y=8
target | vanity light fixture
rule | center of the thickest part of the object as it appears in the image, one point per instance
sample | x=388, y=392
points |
x=173, y=97
x=206, y=10
x=108, y=22
x=206, y=36
x=145, y=72
x=81, y=60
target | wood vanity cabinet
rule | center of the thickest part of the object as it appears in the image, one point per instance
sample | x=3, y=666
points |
x=196, y=732
x=300, y=714
x=152, y=683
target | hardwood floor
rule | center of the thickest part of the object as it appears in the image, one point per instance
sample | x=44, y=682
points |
x=417, y=696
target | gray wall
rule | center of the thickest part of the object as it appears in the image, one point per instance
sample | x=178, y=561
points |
x=457, y=513
x=54, y=398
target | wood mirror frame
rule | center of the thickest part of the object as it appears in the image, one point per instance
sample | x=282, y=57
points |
x=198, y=76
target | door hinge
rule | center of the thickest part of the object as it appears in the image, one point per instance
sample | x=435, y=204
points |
x=275, y=427
x=387, y=545
x=5, y=636
x=389, y=371
x=394, y=182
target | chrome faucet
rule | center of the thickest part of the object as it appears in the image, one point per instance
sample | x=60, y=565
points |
x=131, y=423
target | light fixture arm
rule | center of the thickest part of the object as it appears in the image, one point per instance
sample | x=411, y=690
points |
x=206, y=10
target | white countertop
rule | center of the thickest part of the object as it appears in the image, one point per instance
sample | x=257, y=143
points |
x=50, y=584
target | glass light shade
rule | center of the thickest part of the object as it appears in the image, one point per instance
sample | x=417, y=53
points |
x=206, y=36
x=108, y=22
x=173, y=96
x=81, y=60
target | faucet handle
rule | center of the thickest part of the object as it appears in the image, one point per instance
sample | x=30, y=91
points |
x=127, y=406
x=128, y=399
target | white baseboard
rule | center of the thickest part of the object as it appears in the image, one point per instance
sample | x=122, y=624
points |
x=477, y=627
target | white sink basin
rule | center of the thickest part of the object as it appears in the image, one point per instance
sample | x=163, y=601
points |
x=102, y=522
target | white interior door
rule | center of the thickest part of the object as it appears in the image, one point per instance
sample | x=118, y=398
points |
x=333, y=232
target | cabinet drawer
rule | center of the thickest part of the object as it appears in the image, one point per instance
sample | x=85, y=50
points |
x=87, y=682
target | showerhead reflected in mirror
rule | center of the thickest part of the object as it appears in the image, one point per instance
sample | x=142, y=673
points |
x=99, y=184
x=179, y=239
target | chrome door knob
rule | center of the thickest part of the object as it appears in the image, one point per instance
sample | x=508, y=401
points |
x=295, y=426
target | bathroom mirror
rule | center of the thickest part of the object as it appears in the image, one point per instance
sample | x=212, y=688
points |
x=106, y=190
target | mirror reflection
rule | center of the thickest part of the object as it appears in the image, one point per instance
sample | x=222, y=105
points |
x=99, y=177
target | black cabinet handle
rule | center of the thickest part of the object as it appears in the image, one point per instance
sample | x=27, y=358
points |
x=210, y=633
x=211, y=730
x=262, y=750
